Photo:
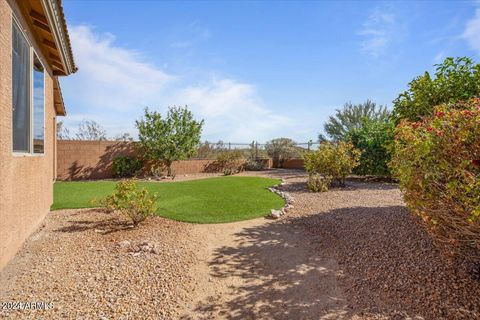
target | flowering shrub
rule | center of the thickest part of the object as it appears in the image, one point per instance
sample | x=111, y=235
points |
x=136, y=204
x=437, y=161
x=334, y=161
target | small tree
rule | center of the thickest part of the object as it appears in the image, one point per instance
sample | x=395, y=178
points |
x=62, y=132
x=90, y=130
x=163, y=141
x=352, y=116
x=280, y=149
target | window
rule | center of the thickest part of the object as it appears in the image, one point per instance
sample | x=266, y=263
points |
x=28, y=98
x=21, y=95
x=38, y=106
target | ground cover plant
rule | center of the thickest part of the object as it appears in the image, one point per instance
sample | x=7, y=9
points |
x=212, y=200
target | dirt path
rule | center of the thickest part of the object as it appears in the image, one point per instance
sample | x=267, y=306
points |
x=261, y=269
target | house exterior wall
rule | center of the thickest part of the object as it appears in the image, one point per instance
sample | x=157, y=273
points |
x=26, y=181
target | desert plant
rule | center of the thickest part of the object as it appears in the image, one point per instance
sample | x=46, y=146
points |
x=352, y=117
x=375, y=139
x=454, y=80
x=125, y=166
x=333, y=160
x=437, y=161
x=135, y=203
x=318, y=183
x=163, y=141
x=281, y=149
x=230, y=161
x=254, y=165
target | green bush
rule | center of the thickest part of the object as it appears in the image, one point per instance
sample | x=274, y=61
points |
x=374, y=138
x=454, y=80
x=136, y=204
x=437, y=161
x=318, y=183
x=333, y=160
x=125, y=166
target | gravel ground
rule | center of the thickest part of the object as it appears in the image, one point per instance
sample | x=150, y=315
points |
x=90, y=265
x=350, y=253
x=389, y=268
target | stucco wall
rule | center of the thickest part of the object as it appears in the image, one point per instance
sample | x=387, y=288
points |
x=293, y=164
x=93, y=159
x=26, y=181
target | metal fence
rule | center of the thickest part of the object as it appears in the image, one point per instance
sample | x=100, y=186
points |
x=253, y=150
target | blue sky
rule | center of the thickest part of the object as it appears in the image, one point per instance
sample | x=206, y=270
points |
x=254, y=70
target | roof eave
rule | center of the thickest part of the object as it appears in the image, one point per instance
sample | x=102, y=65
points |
x=56, y=18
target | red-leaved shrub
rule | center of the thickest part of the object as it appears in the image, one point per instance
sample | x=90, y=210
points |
x=437, y=161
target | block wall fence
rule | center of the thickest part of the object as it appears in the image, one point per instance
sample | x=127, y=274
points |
x=78, y=160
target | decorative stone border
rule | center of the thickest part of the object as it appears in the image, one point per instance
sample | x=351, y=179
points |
x=289, y=200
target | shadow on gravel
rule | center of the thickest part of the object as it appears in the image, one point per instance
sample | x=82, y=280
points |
x=350, y=185
x=386, y=266
x=103, y=226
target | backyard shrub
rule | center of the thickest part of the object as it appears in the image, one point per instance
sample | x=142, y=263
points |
x=254, y=165
x=230, y=161
x=281, y=149
x=334, y=161
x=318, y=183
x=135, y=203
x=374, y=138
x=125, y=166
x=437, y=161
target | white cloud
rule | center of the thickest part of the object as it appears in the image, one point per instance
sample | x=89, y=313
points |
x=109, y=76
x=472, y=31
x=378, y=32
x=233, y=111
x=114, y=84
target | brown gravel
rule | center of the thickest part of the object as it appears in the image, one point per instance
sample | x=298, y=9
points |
x=90, y=265
x=350, y=253
x=388, y=265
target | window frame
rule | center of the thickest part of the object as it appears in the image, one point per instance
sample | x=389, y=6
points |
x=32, y=54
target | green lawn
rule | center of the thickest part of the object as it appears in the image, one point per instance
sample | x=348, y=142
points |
x=212, y=200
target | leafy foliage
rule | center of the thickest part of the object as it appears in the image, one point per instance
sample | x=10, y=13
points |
x=318, y=183
x=125, y=166
x=230, y=161
x=333, y=160
x=90, y=130
x=437, y=161
x=352, y=117
x=176, y=137
x=137, y=204
x=374, y=138
x=454, y=80
x=281, y=149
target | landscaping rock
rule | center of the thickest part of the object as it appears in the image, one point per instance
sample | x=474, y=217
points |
x=275, y=214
